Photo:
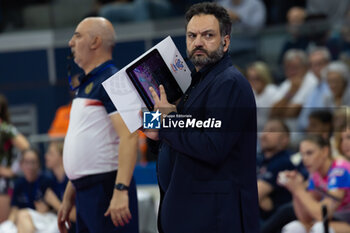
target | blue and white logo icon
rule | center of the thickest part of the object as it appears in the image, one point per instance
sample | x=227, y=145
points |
x=151, y=120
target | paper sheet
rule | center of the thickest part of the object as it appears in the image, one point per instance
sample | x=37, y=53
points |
x=125, y=96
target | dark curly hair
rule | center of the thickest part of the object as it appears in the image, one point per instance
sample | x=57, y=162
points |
x=208, y=8
x=318, y=140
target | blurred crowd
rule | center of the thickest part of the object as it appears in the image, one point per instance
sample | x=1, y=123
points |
x=30, y=192
x=303, y=121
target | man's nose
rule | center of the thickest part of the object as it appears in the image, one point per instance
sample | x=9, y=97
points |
x=198, y=41
x=71, y=42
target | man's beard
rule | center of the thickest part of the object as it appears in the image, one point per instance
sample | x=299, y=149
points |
x=211, y=58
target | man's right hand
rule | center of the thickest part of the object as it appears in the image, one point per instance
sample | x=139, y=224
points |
x=63, y=221
x=63, y=216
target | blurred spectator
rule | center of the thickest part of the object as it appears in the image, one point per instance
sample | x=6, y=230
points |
x=305, y=31
x=335, y=10
x=313, y=24
x=245, y=14
x=277, y=10
x=319, y=58
x=341, y=118
x=345, y=143
x=338, y=79
x=296, y=18
x=274, y=158
x=9, y=138
x=54, y=164
x=29, y=201
x=341, y=125
x=121, y=11
x=259, y=77
x=32, y=220
x=293, y=92
x=320, y=123
x=328, y=185
x=248, y=18
x=339, y=42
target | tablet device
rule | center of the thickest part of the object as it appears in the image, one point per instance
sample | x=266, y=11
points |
x=151, y=71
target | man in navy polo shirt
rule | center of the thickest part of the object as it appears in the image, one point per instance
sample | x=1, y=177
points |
x=275, y=157
x=99, y=151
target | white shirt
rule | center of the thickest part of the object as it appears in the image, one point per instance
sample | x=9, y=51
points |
x=309, y=83
x=252, y=13
x=263, y=103
x=91, y=144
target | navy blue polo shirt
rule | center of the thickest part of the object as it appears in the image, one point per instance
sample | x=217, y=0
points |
x=268, y=169
x=58, y=187
x=26, y=193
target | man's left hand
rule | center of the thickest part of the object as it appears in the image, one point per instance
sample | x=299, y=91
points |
x=161, y=102
x=119, y=208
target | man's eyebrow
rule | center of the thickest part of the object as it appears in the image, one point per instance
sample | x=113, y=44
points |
x=76, y=33
x=209, y=30
x=206, y=31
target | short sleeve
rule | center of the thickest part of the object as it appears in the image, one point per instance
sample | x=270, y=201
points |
x=339, y=178
x=102, y=94
x=107, y=102
x=16, y=192
x=269, y=177
x=272, y=170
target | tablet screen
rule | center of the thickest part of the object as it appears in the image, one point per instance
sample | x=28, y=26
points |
x=151, y=71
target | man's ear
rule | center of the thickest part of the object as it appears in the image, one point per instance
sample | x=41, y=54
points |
x=226, y=42
x=96, y=42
